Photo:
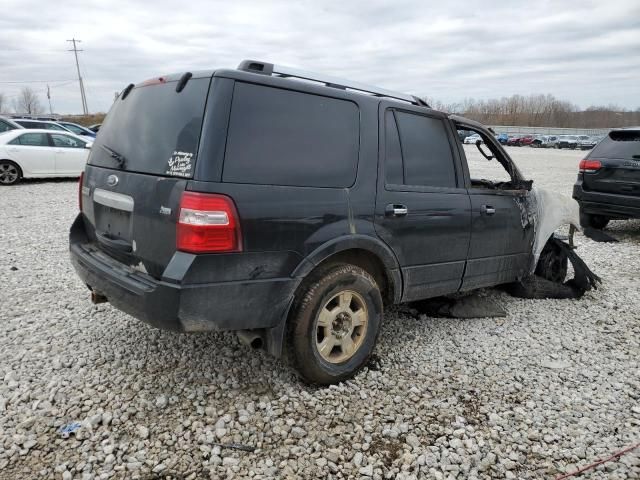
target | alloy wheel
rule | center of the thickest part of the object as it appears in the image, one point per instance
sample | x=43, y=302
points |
x=341, y=326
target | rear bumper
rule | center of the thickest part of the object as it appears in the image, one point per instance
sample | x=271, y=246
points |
x=606, y=204
x=173, y=305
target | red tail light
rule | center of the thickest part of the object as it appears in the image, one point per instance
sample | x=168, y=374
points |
x=80, y=190
x=590, y=166
x=208, y=223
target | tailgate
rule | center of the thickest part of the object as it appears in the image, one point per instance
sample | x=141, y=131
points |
x=134, y=220
x=138, y=167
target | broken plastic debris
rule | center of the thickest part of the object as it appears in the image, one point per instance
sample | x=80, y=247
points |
x=66, y=430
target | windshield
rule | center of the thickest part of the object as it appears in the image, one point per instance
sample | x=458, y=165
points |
x=154, y=129
x=74, y=128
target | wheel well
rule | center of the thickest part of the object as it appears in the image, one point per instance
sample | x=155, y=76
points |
x=366, y=260
x=14, y=163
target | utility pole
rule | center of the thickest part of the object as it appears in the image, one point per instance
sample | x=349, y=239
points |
x=49, y=98
x=82, y=94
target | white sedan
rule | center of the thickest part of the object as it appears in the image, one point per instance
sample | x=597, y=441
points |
x=471, y=139
x=41, y=153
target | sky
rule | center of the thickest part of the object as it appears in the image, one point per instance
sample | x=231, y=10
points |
x=587, y=52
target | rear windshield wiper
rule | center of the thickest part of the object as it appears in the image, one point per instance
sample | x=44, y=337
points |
x=115, y=155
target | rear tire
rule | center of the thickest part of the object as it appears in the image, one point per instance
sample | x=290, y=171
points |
x=334, y=324
x=594, y=221
x=10, y=172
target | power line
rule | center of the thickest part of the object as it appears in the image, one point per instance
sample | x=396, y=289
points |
x=82, y=94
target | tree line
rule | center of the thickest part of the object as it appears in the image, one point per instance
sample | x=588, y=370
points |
x=525, y=111
x=27, y=101
x=540, y=111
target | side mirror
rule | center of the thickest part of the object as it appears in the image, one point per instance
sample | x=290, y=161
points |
x=88, y=145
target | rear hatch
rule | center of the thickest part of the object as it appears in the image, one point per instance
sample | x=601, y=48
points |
x=619, y=156
x=138, y=168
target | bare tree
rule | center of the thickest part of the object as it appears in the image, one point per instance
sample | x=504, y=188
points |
x=3, y=103
x=28, y=102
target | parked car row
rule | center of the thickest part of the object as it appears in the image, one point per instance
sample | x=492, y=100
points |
x=582, y=142
x=42, y=123
x=40, y=153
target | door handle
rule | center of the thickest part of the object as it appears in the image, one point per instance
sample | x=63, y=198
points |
x=396, y=210
x=488, y=210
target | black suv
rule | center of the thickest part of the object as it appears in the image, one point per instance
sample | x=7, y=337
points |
x=291, y=208
x=608, y=185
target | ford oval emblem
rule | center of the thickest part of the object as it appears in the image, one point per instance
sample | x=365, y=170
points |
x=112, y=180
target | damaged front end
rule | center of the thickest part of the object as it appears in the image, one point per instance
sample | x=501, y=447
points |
x=551, y=253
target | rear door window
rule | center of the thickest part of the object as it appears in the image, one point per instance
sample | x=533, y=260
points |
x=624, y=144
x=283, y=137
x=426, y=151
x=66, y=141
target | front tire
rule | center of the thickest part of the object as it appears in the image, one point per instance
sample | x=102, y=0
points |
x=334, y=324
x=10, y=173
x=553, y=264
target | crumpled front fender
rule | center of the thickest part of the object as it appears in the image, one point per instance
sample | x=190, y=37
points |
x=554, y=210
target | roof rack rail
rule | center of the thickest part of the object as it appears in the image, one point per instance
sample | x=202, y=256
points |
x=264, y=68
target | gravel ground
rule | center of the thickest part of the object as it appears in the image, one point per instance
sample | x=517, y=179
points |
x=553, y=386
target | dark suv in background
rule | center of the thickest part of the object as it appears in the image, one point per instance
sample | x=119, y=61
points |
x=292, y=207
x=608, y=185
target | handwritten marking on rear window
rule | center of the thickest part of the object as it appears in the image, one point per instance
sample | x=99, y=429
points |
x=179, y=165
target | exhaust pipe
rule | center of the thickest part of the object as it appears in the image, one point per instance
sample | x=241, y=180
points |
x=250, y=338
x=98, y=297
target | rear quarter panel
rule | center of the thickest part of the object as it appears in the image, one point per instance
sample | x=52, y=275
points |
x=291, y=222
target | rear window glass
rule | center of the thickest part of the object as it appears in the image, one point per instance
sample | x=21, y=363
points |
x=618, y=144
x=281, y=137
x=155, y=129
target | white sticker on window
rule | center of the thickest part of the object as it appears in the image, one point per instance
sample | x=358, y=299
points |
x=179, y=164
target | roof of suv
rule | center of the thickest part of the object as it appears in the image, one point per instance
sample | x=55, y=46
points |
x=277, y=75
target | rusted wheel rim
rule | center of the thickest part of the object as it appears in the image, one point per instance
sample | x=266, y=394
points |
x=8, y=173
x=341, y=326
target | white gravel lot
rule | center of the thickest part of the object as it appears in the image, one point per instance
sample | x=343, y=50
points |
x=553, y=386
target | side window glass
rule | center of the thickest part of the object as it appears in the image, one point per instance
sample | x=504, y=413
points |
x=32, y=140
x=393, y=155
x=426, y=151
x=483, y=172
x=283, y=137
x=4, y=126
x=65, y=141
